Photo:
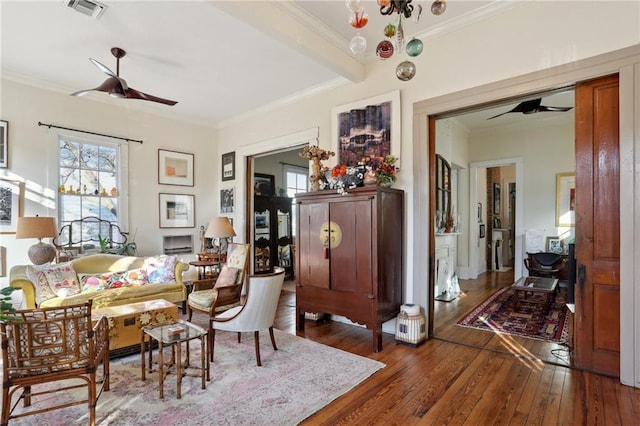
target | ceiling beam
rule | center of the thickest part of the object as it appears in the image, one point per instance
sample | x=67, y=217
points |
x=289, y=24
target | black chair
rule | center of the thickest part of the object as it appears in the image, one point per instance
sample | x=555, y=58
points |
x=544, y=264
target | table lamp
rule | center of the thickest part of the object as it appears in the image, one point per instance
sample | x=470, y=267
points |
x=219, y=227
x=38, y=227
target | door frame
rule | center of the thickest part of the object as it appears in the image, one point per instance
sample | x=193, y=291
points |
x=474, y=168
x=626, y=62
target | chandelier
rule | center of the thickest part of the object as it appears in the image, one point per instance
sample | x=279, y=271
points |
x=394, y=41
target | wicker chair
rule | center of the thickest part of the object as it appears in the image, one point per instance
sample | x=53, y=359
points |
x=48, y=345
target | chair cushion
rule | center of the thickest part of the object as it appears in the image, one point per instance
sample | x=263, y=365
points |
x=227, y=277
x=203, y=299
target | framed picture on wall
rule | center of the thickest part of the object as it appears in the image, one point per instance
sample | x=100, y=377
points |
x=10, y=205
x=263, y=184
x=177, y=211
x=496, y=198
x=226, y=200
x=4, y=144
x=566, y=199
x=554, y=245
x=175, y=168
x=229, y=166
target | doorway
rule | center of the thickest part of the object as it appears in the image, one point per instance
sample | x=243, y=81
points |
x=499, y=219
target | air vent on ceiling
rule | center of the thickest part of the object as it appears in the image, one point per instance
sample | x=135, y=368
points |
x=87, y=7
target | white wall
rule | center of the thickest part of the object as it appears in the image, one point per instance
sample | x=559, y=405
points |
x=34, y=155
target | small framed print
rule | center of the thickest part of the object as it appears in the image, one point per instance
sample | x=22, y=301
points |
x=175, y=168
x=263, y=184
x=229, y=166
x=226, y=200
x=177, y=211
x=4, y=144
x=554, y=245
x=10, y=208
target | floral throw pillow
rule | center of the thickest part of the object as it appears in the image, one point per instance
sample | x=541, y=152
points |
x=96, y=282
x=93, y=282
x=161, y=269
x=62, y=279
x=227, y=277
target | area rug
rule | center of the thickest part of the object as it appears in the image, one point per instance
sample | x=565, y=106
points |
x=294, y=382
x=498, y=314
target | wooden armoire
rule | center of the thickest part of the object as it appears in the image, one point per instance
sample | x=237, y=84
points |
x=349, y=256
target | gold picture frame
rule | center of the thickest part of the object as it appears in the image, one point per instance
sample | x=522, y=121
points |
x=566, y=199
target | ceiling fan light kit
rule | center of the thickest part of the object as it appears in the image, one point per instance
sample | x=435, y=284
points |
x=117, y=87
x=358, y=18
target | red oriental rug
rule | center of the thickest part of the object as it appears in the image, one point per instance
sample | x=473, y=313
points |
x=498, y=314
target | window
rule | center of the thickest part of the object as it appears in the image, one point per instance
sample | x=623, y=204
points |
x=91, y=184
x=297, y=180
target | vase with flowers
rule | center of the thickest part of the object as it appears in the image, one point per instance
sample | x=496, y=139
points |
x=384, y=168
x=316, y=155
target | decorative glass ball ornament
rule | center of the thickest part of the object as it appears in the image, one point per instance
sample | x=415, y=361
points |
x=359, y=18
x=358, y=44
x=390, y=30
x=355, y=5
x=405, y=70
x=438, y=7
x=384, y=49
x=383, y=3
x=414, y=47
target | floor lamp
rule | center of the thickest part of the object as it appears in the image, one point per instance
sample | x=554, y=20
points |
x=38, y=227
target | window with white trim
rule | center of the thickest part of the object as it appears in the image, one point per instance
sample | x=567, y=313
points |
x=296, y=180
x=91, y=184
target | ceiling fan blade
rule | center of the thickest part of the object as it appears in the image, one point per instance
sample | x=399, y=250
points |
x=82, y=92
x=103, y=68
x=554, y=109
x=132, y=93
x=112, y=86
x=495, y=116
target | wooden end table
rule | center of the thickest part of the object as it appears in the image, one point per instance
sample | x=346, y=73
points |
x=165, y=335
x=531, y=285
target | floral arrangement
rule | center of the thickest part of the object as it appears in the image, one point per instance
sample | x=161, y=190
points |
x=384, y=167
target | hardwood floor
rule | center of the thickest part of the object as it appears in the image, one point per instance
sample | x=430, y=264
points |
x=441, y=382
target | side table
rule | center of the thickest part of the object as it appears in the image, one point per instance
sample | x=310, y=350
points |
x=174, y=335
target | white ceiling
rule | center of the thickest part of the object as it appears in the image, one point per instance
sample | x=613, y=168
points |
x=218, y=59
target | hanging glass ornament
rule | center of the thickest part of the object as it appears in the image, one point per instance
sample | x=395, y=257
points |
x=414, y=47
x=358, y=44
x=400, y=37
x=383, y=3
x=417, y=14
x=354, y=5
x=406, y=70
x=390, y=30
x=438, y=7
x=384, y=49
x=359, y=18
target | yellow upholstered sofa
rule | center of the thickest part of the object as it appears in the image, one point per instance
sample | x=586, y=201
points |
x=107, y=279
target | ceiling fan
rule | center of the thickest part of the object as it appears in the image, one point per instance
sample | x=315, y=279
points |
x=531, y=107
x=116, y=86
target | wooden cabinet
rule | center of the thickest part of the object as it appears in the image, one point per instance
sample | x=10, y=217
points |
x=272, y=234
x=349, y=256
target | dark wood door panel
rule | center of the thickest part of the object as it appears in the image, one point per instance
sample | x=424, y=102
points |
x=313, y=267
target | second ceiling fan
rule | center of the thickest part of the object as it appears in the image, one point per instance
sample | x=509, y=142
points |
x=117, y=87
x=531, y=107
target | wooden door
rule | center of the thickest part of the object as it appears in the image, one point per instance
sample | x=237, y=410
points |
x=597, y=299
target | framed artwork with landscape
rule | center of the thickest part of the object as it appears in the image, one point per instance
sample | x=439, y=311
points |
x=177, y=211
x=175, y=168
x=367, y=128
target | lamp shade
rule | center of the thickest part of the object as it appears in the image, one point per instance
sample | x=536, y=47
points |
x=36, y=227
x=219, y=227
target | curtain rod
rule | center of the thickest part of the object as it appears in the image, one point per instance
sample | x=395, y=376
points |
x=88, y=132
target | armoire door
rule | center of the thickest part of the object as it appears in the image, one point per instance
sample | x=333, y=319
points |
x=313, y=255
x=597, y=327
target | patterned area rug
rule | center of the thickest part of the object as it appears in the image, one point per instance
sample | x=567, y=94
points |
x=294, y=382
x=498, y=314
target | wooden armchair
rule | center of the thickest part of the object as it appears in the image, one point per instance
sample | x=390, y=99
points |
x=48, y=345
x=544, y=264
x=222, y=296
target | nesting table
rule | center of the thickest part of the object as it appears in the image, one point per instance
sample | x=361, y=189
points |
x=174, y=335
